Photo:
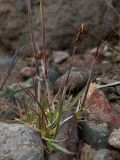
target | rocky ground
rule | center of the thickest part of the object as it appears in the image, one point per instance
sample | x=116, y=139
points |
x=94, y=135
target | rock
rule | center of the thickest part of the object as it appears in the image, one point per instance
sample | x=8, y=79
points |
x=62, y=19
x=53, y=75
x=108, y=55
x=68, y=133
x=5, y=65
x=77, y=80
x=27, y=72
x=117, y=88
x=8, y=111
x=105, y=66
x=59, y=56
x=100, y=110
x=14, y=92
x=114, y=138
x=86, y=152
x=95, y=135
x=106, y=154
x=102, y=154
x=4, y=59
x=20, y=143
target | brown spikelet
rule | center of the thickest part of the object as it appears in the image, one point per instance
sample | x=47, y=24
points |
x=80, y=34
x=44, y=54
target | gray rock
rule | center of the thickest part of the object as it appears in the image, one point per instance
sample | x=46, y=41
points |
x=8, y=111
x=114, y=138
x=62, y=21
x=94, y=134
x=53, y=75
x=19, y=142
x=106, y=154
x=4, y=59
x=77, y=80
x=14, y=91
x=117, y=88
x=102, y=154
x=59, y=56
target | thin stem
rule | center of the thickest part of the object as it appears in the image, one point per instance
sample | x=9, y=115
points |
x=109, y=85
x=44, y=48
x=93, y=64
x=31, y=27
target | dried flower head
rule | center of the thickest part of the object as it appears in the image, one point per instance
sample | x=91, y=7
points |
x=80, y=34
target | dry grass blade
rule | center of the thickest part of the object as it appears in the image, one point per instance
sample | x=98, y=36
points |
x=109, y=85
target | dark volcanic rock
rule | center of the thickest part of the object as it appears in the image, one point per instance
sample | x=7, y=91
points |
x=94, y=134
x=62, y=20
x=19, y=142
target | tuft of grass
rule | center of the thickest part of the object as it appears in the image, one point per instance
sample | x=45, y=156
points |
x=44, y=115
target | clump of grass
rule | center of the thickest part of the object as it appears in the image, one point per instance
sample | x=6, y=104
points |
x=44, y=115
x=46, y=112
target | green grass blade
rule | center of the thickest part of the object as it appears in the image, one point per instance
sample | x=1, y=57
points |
x=60, y=148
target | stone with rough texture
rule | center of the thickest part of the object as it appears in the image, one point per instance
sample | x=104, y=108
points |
x=94, y=134
x=27, y=72
x=62, y=19
x=15, y=94
x=106, y=154
x=100, y=110
x=19, y=142
x=114, y=138
x=53, y=75
x=86, y=152
x=59, y=56
x=8, y=111
x=77, y=80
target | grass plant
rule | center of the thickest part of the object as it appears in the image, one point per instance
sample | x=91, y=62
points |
x=45, y=114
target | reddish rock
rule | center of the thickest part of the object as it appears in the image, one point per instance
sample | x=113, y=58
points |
x=27, y=72
x=100, y=110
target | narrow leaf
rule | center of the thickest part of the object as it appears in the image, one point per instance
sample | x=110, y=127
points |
x=60, y=148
